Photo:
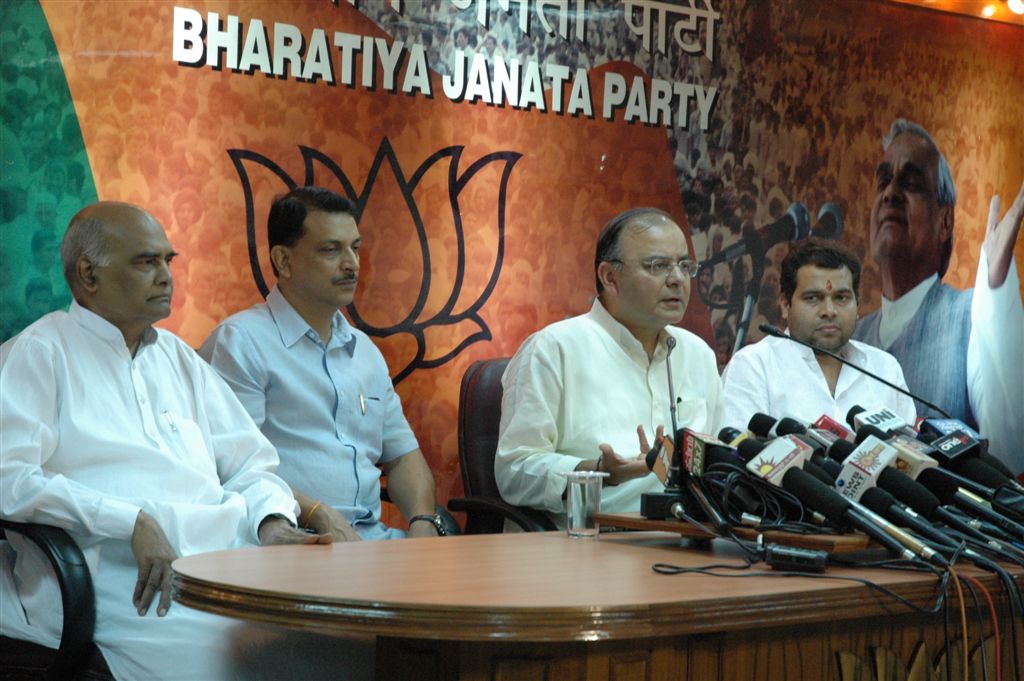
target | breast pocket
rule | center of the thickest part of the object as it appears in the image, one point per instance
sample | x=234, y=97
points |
x=186, y=437
x=693, y=413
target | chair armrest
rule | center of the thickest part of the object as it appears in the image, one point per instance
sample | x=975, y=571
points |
x=76, y=592
x=451, y=525
x=486, y=515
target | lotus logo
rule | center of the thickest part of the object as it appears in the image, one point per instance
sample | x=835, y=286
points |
x=404, y=216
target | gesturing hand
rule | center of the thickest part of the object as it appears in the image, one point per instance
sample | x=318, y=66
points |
x=620, y=469
x=154, y=555
x=1001, y=236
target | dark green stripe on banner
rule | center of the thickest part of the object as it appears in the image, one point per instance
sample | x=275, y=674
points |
x=44, y=174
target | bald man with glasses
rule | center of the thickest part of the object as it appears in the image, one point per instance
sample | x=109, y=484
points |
x=586, y=392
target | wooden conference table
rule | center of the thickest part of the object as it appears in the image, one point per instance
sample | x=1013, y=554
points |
x=546, y=606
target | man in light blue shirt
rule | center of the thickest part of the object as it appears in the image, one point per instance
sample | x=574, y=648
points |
x=317, y=387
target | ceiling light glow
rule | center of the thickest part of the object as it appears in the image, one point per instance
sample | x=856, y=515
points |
x=989, y=10
x=1016, y=6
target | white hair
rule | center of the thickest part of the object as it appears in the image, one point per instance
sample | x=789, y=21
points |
x=945, y=190
x=84, y=237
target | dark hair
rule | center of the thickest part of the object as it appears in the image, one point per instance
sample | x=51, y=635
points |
x=823, y=253
x=288, y=213
x=608, y=249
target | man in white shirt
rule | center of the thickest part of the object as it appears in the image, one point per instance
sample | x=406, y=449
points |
x=120, y=434
x=580, y=393
x=959, y=349
x=819, y=282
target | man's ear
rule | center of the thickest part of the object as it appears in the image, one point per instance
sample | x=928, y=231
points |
x=784, y=307
x=280, y=256
x=608, y=275
x=946, y=224
x=86, y=274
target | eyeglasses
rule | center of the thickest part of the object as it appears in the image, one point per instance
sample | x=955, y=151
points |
x=661, y=267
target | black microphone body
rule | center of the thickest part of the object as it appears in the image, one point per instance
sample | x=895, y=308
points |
x=793, y=226
x=838, y=510
x=948, y=492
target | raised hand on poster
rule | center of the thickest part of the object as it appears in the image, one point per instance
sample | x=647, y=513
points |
x=1001, y=236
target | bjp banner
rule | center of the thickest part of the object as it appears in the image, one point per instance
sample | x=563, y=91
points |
x=484, y=144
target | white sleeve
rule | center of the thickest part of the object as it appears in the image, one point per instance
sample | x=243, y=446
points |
x=527, y=467
x=30, y=407
x=995, y=364
x=246, y=461
x=744, y=393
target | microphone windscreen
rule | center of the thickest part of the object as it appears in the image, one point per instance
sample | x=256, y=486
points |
x=981, y=472
x=728, y=434
x=841, y=449
x=911, y=493
x=938, y=484
x=816, y=494
x=869, y=430
x=854, y=410
x=996, y=463
x=722, y=457
x=788, y=426
x=833, y=468
x=748, y=449
x=878, y=500
x=760, y=424
x=819, y=473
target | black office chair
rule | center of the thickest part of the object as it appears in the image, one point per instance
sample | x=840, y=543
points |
x=479, y=417
x=77, y=657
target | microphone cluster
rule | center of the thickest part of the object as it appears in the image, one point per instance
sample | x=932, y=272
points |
x=931, y=495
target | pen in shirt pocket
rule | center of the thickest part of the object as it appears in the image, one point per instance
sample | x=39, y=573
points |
x=362, y=402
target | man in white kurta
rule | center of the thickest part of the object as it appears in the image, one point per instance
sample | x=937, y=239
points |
x=118, y=433
x=819, y=282
x=578, y=393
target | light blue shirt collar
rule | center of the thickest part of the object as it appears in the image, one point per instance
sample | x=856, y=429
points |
x=293, y=327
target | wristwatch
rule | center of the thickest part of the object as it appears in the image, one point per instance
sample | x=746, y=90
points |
x=434, y=519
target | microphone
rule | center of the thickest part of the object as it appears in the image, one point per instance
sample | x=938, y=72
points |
x=766, y=426
x=884, y=504
x=781, y=454
x=912, y=457
x=830, y=222
x=829, y=424
x=778, y=333
x=862, y=467
x=670, y=345
x=839, y=511
x=883, y=419
x=807, y=432
x=950, y=493
x=793, y=226
x=920, y=498
x=684, y=493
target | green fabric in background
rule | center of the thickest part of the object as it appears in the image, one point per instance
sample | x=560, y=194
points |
x=44, y=171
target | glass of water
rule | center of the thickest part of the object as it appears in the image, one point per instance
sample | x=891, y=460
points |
x=583, y=501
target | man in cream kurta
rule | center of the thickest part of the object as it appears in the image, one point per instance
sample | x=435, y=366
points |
x=583, y=393
x=118, y=433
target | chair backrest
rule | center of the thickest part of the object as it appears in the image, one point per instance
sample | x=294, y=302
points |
x=479, y=417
